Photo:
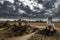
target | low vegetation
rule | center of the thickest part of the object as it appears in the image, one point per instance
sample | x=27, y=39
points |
x=20, y=30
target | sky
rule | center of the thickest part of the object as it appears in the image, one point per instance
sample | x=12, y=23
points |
x=31, y=9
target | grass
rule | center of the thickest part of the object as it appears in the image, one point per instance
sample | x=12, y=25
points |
x=36, y=36
x=57, y=24
x=39, y=36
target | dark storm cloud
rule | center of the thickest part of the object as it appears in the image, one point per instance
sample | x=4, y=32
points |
x=27, y=8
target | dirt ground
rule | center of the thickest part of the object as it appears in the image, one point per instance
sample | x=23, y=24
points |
x=57, y=24
x=32, y=36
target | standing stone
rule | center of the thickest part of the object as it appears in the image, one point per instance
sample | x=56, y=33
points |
x=50, y=25
x=49, y=21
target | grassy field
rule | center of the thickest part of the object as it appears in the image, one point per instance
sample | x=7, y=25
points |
x=57, y=24
x=36, y=36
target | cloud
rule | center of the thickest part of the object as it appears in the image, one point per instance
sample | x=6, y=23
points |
x=32, y=4
x=12, y=1
x=22, y=11
x=1, y=1
x=31, y=8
